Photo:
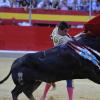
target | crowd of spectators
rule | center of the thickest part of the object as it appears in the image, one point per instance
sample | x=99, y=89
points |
x=83, y=5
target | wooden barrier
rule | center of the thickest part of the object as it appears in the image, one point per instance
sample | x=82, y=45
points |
x=27, y=38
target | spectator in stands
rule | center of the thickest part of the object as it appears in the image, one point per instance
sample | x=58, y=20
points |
x=45, y=4
x=26, y=4
x=77, y=4
x=98, y=5
x=5, y=3
x=85, y=5
x=14, y=3
x=70, y=4
x=55, y=4
x=34, y=3
x=93, y=4
x=63, y=5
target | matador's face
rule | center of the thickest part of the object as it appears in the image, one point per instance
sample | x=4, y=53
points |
x=63, y=32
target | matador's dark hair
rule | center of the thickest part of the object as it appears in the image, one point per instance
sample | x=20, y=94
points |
x=63, y=25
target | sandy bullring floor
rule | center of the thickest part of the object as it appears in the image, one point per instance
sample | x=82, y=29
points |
x=83, y=89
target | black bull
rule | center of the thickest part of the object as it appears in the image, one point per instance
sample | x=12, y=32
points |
x=52, y=65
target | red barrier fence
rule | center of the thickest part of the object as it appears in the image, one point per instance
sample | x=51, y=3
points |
x=27, y=38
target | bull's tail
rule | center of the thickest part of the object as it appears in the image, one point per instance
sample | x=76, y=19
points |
x=5, y=78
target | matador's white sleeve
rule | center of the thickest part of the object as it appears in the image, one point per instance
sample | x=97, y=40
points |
x=54, y=32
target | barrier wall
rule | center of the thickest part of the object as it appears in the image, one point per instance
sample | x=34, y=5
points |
x=27, y=38
x=47, y=16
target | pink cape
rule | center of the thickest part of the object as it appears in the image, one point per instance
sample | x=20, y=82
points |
x=93, y=26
